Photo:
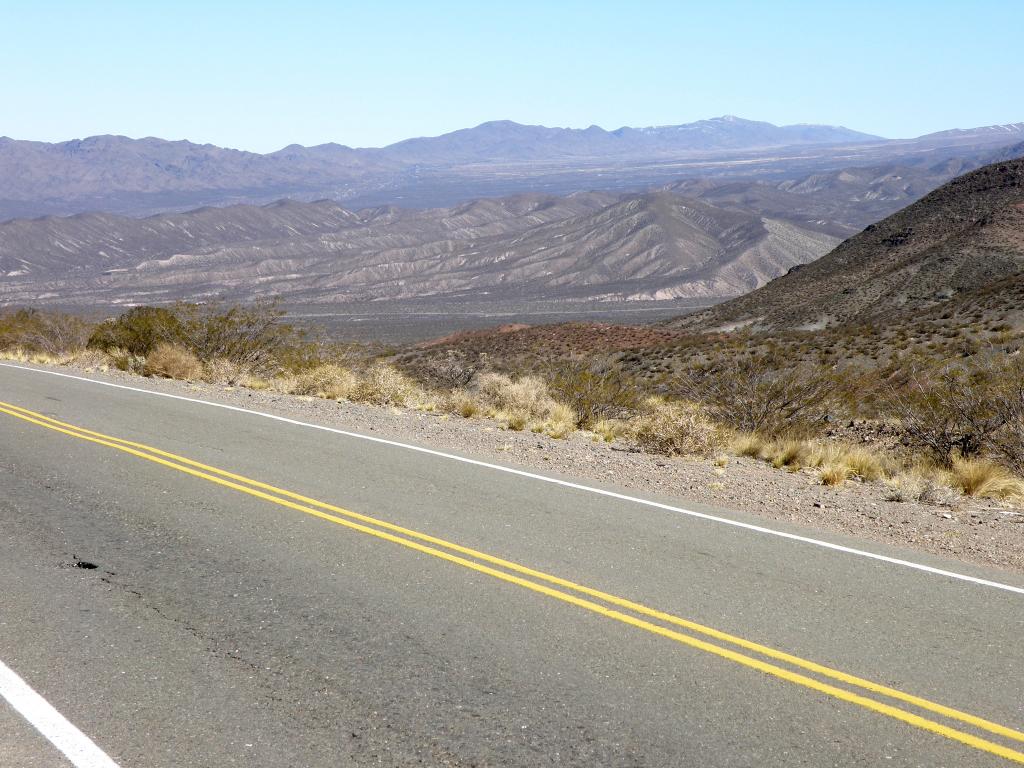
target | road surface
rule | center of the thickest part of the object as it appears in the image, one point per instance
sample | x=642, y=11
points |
x=191, y=585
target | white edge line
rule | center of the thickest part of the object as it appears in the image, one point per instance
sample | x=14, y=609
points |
x=555, y=481
x=75, y=745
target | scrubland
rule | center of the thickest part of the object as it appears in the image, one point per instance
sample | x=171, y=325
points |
x=928, y=426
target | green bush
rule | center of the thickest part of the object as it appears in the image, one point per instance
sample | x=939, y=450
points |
x=251, y=336
x=758, y=394
x=963, y=410
x=138, y=331
x=595, y=388
x=52, y=333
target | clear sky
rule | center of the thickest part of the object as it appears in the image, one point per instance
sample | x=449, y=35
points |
x=260, y=75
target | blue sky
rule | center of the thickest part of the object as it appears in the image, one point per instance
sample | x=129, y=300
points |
x=259, y=76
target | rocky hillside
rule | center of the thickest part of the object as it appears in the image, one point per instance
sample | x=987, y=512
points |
x=943, y=256
x=578, y=247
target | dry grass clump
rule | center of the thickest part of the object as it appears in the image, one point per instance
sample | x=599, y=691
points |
x=527, y=395
x=220, y=370
x=610, y=429
x=676, y=429
x=560, y=422
x=463, y=403
x=790, y=454
x=835, y=474
x=21, y=355
x=126, y=361
x=838, y=462
x=383, y=384
x=329, y=381
x=981, y=477
x=171, y=361
x=89, y=359
x=525, y=402
x=866, y=464
x=750, y=444
x=924, y=484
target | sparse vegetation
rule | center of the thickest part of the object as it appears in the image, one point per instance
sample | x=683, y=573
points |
x=966, y=415
x=48, y=333
x=756, y=394
x=835, y=474
x=676, y=429
x=327, y=380
x=979, y=477
x=172, y=362
x=595, y=388
x=930, y=429
x=383, y=384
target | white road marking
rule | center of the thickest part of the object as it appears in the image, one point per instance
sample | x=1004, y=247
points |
x=556, y=481
x=75, y=745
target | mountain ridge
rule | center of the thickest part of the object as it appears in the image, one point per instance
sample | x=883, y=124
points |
x=585, y=246
x=934, y=256
x=147, y=175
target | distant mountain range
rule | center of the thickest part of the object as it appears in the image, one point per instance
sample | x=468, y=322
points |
x=956, y=255
x=141, y=176
x=505, y=141
x=697, y=239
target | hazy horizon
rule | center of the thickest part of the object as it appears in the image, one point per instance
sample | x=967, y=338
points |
x=259, y=77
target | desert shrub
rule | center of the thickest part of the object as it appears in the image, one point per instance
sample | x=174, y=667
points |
x=383, y=384
x=172, y=362
x=124, y=360
x=595, y=388
x=89, y=359
x=250, y=336
x=964, y=409
x=527, y=394
x=329, y=380
x=452, y=372
x=676, y=429
x=756, y=394
x=138, y=331
x=227, y=372
x=51, y=333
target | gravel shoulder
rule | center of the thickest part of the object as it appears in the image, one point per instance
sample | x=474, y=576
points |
x=971, y=530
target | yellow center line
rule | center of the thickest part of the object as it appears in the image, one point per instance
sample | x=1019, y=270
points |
x=210, y=474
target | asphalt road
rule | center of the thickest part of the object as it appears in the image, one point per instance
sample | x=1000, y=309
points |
x=227, y=623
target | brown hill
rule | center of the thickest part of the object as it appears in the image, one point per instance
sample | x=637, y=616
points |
x=579, y=247
x=935, y=257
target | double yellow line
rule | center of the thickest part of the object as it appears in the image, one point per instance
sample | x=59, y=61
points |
x=607, y=605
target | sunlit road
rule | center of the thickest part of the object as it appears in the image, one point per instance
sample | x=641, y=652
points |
x=270, y=594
